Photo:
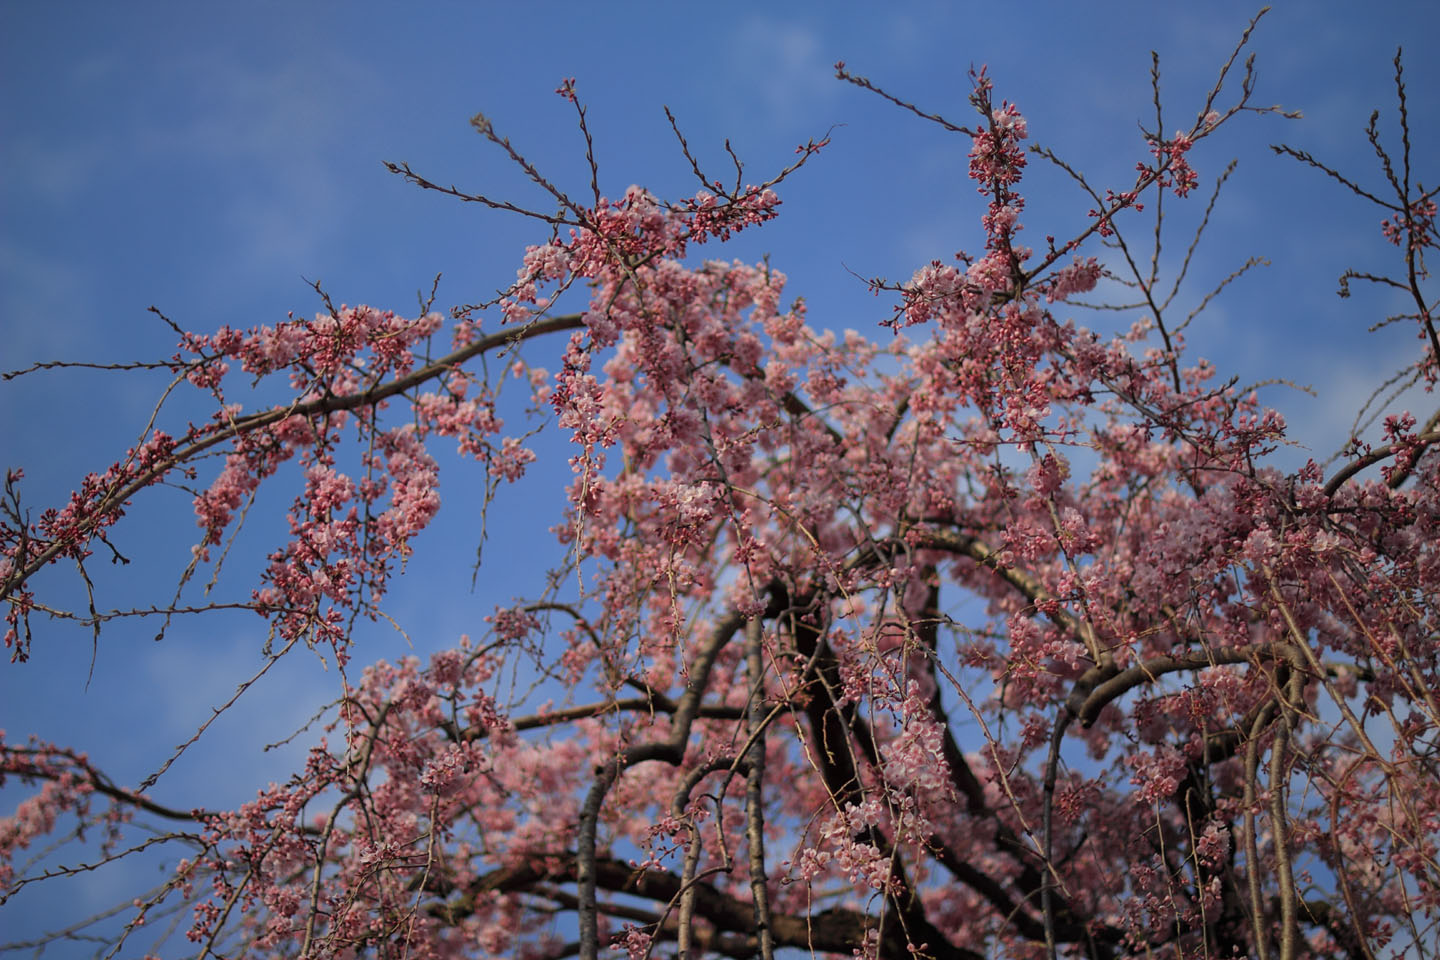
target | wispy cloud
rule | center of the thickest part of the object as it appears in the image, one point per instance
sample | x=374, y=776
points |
x=787, y=68
x=276, y=140
x=1320, y=425
x=199, y=670
x=33, y=285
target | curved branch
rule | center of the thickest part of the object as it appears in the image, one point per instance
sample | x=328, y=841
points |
x=671, y=750
x=264, y=418
x=1111, y=688
x=1375, y=456
x=987, y=556
x=836, y=930
x=98, y=782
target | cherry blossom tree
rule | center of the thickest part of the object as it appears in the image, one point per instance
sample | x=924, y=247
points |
x=981, y=633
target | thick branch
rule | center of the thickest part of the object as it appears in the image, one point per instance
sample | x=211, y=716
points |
x=987, y=556
x=671, y=750
x=755, y=784
x=836, y=930
x=1102, y=689
x=1375, y=456
x=655, y=703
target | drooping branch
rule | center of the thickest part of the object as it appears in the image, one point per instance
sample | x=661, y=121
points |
x=31, y=763
x=238, y=426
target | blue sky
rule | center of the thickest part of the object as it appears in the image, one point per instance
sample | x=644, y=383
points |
x=211, y=159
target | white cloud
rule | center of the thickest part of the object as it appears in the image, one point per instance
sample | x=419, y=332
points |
x=1322, y=424
x=785, y=67
x=277, y=140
